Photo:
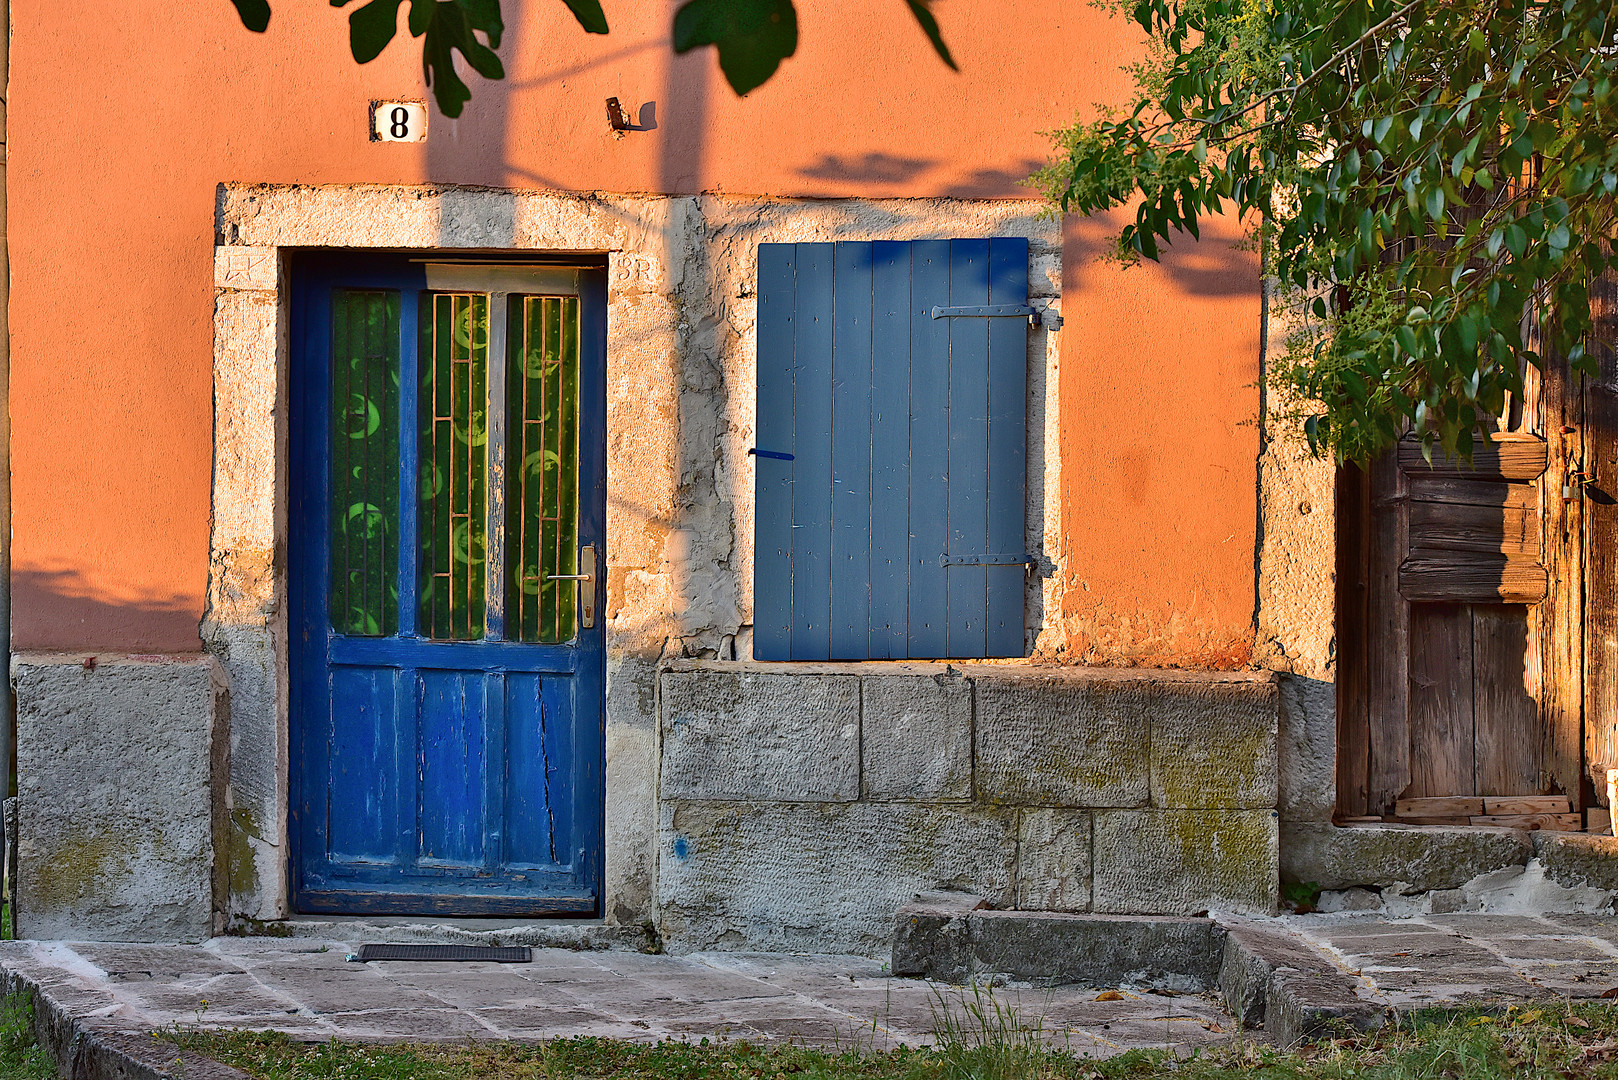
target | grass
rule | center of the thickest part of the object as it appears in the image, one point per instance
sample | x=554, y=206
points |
x=980, y=1039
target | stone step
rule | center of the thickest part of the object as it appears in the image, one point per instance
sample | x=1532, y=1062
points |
x=1269, y=977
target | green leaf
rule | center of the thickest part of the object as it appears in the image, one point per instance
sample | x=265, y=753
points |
x=589, y=14
x=452, y=29
x=921, y=9
x=371, y=28
x=255, y=14
x=752, y=36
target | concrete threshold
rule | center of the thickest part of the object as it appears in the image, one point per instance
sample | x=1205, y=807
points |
x=1268, y=977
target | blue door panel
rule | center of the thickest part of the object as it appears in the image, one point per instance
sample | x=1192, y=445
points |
x=450, y=807
x=363, y=785
x=436, y=777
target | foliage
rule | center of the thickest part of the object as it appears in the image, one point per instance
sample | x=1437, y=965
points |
x=20, y=1056
x=752, y=36
x=1554, y=1041
x=1435, y=181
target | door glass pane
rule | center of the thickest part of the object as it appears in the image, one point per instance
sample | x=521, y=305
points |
x=454, y=437
x=364, y=596
x=542, y=498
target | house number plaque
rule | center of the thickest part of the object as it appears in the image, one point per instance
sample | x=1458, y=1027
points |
x=398, y=121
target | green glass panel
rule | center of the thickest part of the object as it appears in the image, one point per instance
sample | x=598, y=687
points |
x=454, y=466
x=364, y=590
x=542, y=515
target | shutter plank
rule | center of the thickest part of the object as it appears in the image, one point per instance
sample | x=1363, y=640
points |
x=929, y=448
x=812, y=448
x=851, y=452
x=890, y=449
x=1008, y=447
x=968, y=449
x=772, y=491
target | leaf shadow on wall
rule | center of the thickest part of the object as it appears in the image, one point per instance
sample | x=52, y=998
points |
x=58, y=608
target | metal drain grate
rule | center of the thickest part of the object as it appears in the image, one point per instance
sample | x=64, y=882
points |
x=496, y=954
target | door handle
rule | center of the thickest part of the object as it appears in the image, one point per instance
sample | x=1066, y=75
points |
x=587, y=590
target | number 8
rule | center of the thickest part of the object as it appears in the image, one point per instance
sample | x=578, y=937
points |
x=401, y=122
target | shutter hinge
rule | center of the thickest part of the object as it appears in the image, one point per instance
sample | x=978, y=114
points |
x=1019, y=559
x=1000, y=311
x=772, y=454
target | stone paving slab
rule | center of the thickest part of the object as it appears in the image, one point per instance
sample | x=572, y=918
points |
x=1434, y=960
x=308, y=989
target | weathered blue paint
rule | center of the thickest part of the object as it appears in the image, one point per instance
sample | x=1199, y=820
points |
x=1008, y=446
x=433, y=777
x=851, y=454
x=929, y=449
x=968, y=448
x=896, y=530
x=890, y=450
x=812, y=450
x=772, y=538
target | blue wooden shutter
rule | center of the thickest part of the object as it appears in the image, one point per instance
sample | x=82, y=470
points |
x=889, y=441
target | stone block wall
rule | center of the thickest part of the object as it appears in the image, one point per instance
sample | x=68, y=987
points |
x=801, y=805
x=120, y=773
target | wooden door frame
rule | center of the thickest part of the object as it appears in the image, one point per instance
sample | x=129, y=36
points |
x=1578, y=673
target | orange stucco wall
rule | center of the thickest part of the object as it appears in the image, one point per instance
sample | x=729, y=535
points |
x=124, y=118
x=1159, y=444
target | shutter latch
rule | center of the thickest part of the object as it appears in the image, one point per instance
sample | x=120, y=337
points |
x=997, y=311
x=1020, y=559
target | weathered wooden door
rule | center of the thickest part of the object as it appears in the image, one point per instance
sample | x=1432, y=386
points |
x=1477, y=615
x=446, y=528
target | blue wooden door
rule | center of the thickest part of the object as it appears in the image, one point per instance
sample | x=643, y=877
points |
x=447, y=553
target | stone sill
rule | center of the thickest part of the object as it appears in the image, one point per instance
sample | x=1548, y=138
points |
x=977, y=669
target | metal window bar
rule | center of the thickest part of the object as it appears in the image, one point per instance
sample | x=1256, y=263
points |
x=454, y=421
x=364, y=502
x=542, y=511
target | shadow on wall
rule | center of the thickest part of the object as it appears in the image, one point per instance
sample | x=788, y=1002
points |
x=61, y=609
x=1213, y=267
x=1010, y=181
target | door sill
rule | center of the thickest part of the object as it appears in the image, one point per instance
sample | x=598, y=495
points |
x=356, y=930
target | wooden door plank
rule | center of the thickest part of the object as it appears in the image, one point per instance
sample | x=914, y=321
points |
x=851, y=453
x=1505, y=689
x=1461, y=527
x=1430, y=574
x=812, y=448
x=1441, y=729
x=1559, y=636
x=1600, y=507
x=1388, y=639
x=890, y=448
x=968, y=420
x=1510, y=456
x=1353, y=728
x=1527, y=804
x=1454, y=489
x=1441, y=806
x=1547, y=822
